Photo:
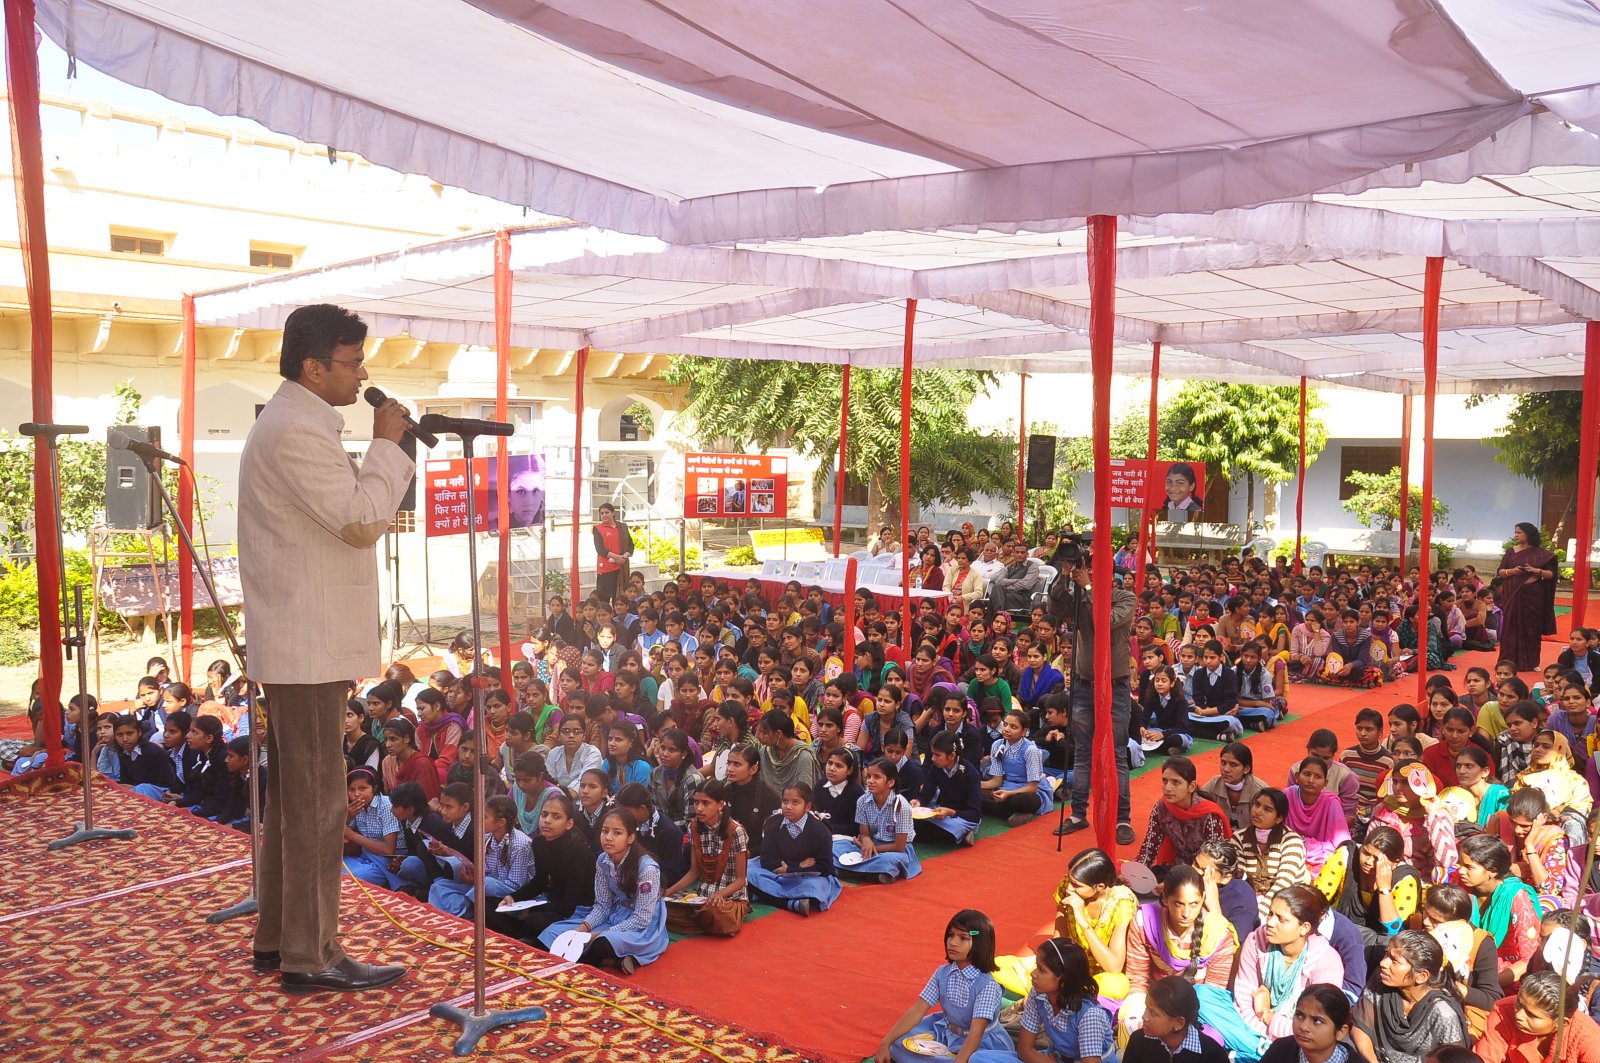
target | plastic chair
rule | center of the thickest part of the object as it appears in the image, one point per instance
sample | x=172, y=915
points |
x=834, y=571
x=1314, y=552
x=862, y=556
x=807, y=571
x=1261, y=546
x=779, y=569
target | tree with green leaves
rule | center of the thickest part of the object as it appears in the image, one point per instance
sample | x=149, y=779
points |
x=1376, y=503
x=1244, y=430
x=740, y=404
x=1540, y=443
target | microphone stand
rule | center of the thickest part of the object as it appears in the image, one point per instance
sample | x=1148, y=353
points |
x=73, y=639
x=249, y=905
x=478, y=1020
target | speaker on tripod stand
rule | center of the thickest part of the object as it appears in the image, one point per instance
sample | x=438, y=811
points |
x=133, y=502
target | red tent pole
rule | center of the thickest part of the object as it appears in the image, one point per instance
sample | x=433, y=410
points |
x=186, y=560
x=1102, y=310
x=1405, y=477
x=905, y=480
x=1300, y=484
x=847, y=653
x=1147, y=516
x=582, y=368
x=502, y=412
x=1432, y=281
x=22, y=70
x=844, y=441
x=1588, y=453
x=1022, y=453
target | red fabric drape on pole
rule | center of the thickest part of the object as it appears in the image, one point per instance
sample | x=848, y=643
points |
x=1432, y=281
x=844, y=441
x=905, y=480
x=1148, y=516
x=1102, y=310
x=22, y=72
x=186, y=561
x=581, y=364
x=1405, y=477
x=502, y=412
x=1300, y=485
x=847, y=653
x=1022, y=456
x=1588, y=452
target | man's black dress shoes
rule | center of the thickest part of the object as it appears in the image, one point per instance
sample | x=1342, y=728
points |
x=346, y=976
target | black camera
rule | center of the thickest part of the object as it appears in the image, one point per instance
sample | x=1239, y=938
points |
x=1073, y=549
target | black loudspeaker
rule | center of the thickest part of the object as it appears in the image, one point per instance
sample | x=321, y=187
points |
x=1041, y=463
x=408, y=503
x=133, y=501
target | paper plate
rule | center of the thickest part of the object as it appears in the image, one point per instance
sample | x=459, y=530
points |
x=926, y=1045
x=570, y=946
x=686, y=898
x=851, y=859
x=922, y=813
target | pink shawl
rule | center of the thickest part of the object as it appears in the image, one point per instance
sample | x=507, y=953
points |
x=1321, y=824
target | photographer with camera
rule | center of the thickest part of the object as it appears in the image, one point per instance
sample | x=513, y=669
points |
x=1072, y=605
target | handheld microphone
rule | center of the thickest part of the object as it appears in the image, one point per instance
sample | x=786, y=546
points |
x=375, y=398
x=122, y=441
x=466, y=426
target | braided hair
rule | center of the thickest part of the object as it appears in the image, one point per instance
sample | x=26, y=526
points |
x=1182, y=876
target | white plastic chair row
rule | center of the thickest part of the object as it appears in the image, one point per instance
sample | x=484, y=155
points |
x=777, y=569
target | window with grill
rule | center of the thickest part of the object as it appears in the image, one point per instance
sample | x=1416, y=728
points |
x=126, y=244
x=265, y=259
x=1373, y=459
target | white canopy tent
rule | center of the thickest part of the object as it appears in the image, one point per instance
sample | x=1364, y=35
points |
x=706, y=122
x=728, y=130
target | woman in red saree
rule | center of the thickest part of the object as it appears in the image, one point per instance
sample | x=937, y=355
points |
x=1526, y=592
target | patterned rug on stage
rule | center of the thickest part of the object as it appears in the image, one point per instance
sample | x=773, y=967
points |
x=108, y=957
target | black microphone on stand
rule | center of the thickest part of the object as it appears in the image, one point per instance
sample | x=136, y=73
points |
x=51, y=431
x=122, y=441
x=375, y=398
x=466, y=426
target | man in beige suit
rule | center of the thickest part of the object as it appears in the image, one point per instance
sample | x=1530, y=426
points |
x=309, y=522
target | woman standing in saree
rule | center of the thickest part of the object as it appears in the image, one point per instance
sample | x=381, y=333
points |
x=1526, y=592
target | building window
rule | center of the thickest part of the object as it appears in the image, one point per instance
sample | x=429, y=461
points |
x=1373, y=459
x=130, y=244
x=271, y=258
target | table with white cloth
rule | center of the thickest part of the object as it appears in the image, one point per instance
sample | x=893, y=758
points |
x=889, y=598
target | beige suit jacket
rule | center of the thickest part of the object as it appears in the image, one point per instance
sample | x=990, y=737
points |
x=309, y=519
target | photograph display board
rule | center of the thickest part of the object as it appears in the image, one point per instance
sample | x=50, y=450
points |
x=736, y=485
x=445, y=500
x=1177, y=487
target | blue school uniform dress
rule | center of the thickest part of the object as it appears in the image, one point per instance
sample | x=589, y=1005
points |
x=788, y=843
x=960, y=791
x=375, y=822
x=882, y=823
x=1085, y=1032
x=635, y=926
x=507, y=866
x=962, y=995
x=1018, y=764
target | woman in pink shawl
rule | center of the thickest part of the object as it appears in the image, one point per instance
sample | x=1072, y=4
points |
x=1309, y=643
x=1316, y=814
x=1526, y=592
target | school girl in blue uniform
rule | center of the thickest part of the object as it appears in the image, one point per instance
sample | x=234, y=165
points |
x=628, y=920
x=950, y=787
x=965, y=992
x=883, y=830
x=796, y=865
x=1063, y=1004
x=1015, y=787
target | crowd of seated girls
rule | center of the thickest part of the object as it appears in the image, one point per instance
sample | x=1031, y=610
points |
x=1420, y=889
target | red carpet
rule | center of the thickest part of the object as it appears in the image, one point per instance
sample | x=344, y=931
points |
x=107, y=957
x=851, y=971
